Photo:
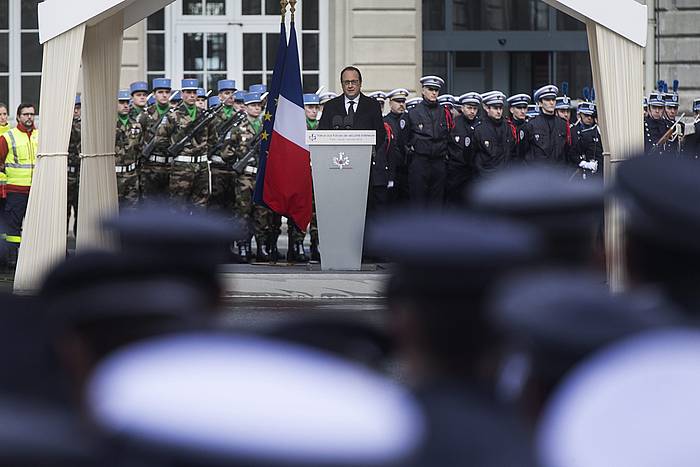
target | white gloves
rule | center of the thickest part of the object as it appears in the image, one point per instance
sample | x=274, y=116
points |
x=592, y=165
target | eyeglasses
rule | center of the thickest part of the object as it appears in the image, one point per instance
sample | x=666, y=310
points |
x=351, y=82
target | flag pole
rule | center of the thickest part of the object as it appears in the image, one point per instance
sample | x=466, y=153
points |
x=292, y=7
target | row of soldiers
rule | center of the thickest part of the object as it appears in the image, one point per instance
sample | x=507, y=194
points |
x=440, y=144
x=664, y=131
x=200, y=152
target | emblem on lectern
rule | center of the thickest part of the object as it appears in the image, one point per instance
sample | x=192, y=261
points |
x=341, y=161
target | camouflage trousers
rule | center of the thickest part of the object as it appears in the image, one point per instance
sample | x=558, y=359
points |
x=223, y=196
x=128, y=190
x=154, y=181
x=73, y=188
x=189, y=186
x=260, y=220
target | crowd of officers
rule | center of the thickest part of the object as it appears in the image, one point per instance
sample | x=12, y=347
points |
x=201, y=151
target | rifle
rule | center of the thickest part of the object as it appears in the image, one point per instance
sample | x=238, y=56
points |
x=664, y=139
x=223, y=131
x=193, y=128
x=250, y=157
x=150, y=146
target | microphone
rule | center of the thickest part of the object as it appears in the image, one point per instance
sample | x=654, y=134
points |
x=337, y=122
x=347, y=122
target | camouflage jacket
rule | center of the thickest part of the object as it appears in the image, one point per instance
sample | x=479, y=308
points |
x=135, y=112
x=74, y=143
x=243, y=138
x=149, y=121
x=129, y=142
x=228, y=150
x=175, y=127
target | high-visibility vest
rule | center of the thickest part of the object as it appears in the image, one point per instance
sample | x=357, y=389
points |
x=4, y=129
x=3, y=182
x=21, y=157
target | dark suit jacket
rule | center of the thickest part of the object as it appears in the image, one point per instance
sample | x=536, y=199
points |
x=368, y=115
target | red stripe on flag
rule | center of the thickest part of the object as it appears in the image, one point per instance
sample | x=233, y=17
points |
x=288, y=189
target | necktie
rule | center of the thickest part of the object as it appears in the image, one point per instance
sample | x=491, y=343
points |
x=351, y=111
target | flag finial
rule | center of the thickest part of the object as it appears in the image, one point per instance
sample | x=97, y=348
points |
x=283, y=8
x=292, y=7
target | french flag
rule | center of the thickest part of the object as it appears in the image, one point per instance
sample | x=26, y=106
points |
x=269, y=115
x=287, y=182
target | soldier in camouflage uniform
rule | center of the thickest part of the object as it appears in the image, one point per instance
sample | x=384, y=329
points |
x=257, y=216
x=189, y=176
x=139, y=98
x=74, y=165
x=155, y=167
x=222, y=199
x=127, y=150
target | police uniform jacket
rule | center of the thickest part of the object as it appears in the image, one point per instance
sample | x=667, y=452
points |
x=383, y=167
x=587, y=145
x=397, y=122
x=494, y=145
x=547, y=139
x=654, y=130
x=692, y=144
x=428, y=130
x=519, y=129
x=461, y=147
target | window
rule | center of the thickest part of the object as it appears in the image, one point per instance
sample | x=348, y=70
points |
x=435, y=63
x=310, y=46
x=500, y=15
x=204, y=7
x=434, y=15
x=205, y=57
x=574, y=68
x=255, y=7
x=4, y=52
x=31, y=53
x=155, y=46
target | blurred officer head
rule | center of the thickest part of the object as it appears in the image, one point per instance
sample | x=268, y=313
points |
x=435, y=295
x=397, y=100
x=351, y=81
x=201, y=100
x=25, y=115
x=662, y=228
x=633, y=404
x=566, y=212
x=139, y=93
x=553, y=319
x=253, y=104
x=213, y=399
x=311, y=106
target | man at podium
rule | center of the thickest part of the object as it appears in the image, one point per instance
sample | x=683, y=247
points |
x=352, y=110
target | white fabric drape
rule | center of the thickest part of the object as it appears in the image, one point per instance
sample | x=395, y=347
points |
x=44, y=233
x=98, y=185
x=618, y=77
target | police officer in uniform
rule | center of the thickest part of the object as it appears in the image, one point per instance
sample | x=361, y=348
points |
x=155, y=167
x=74, y=164
x=587, y=147
x=396, y=119
x=382, y=171
x=671, y=104
x=139, y=98
x=494, y=143
x=460, y=164
x=428, y=128
x=188, y=184
x=547, y=133
x=518, y=106
x=222, y=176
x=655, y=126
x=127, y=151
x=692, y=142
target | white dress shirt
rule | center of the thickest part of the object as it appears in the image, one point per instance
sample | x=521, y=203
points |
x=356, y=100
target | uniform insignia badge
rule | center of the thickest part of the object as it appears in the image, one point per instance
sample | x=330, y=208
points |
x=402, y=123
x=487, y=144
x=456, y=139
x=522, y=134
x=537, y=137
x=467, y=141
x=420, y=126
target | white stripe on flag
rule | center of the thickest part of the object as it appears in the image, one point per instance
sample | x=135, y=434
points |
x=290, y=122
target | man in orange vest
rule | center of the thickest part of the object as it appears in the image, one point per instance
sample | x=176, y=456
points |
x=18, y=150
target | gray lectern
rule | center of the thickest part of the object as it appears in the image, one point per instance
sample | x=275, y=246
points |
x=340, y=162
